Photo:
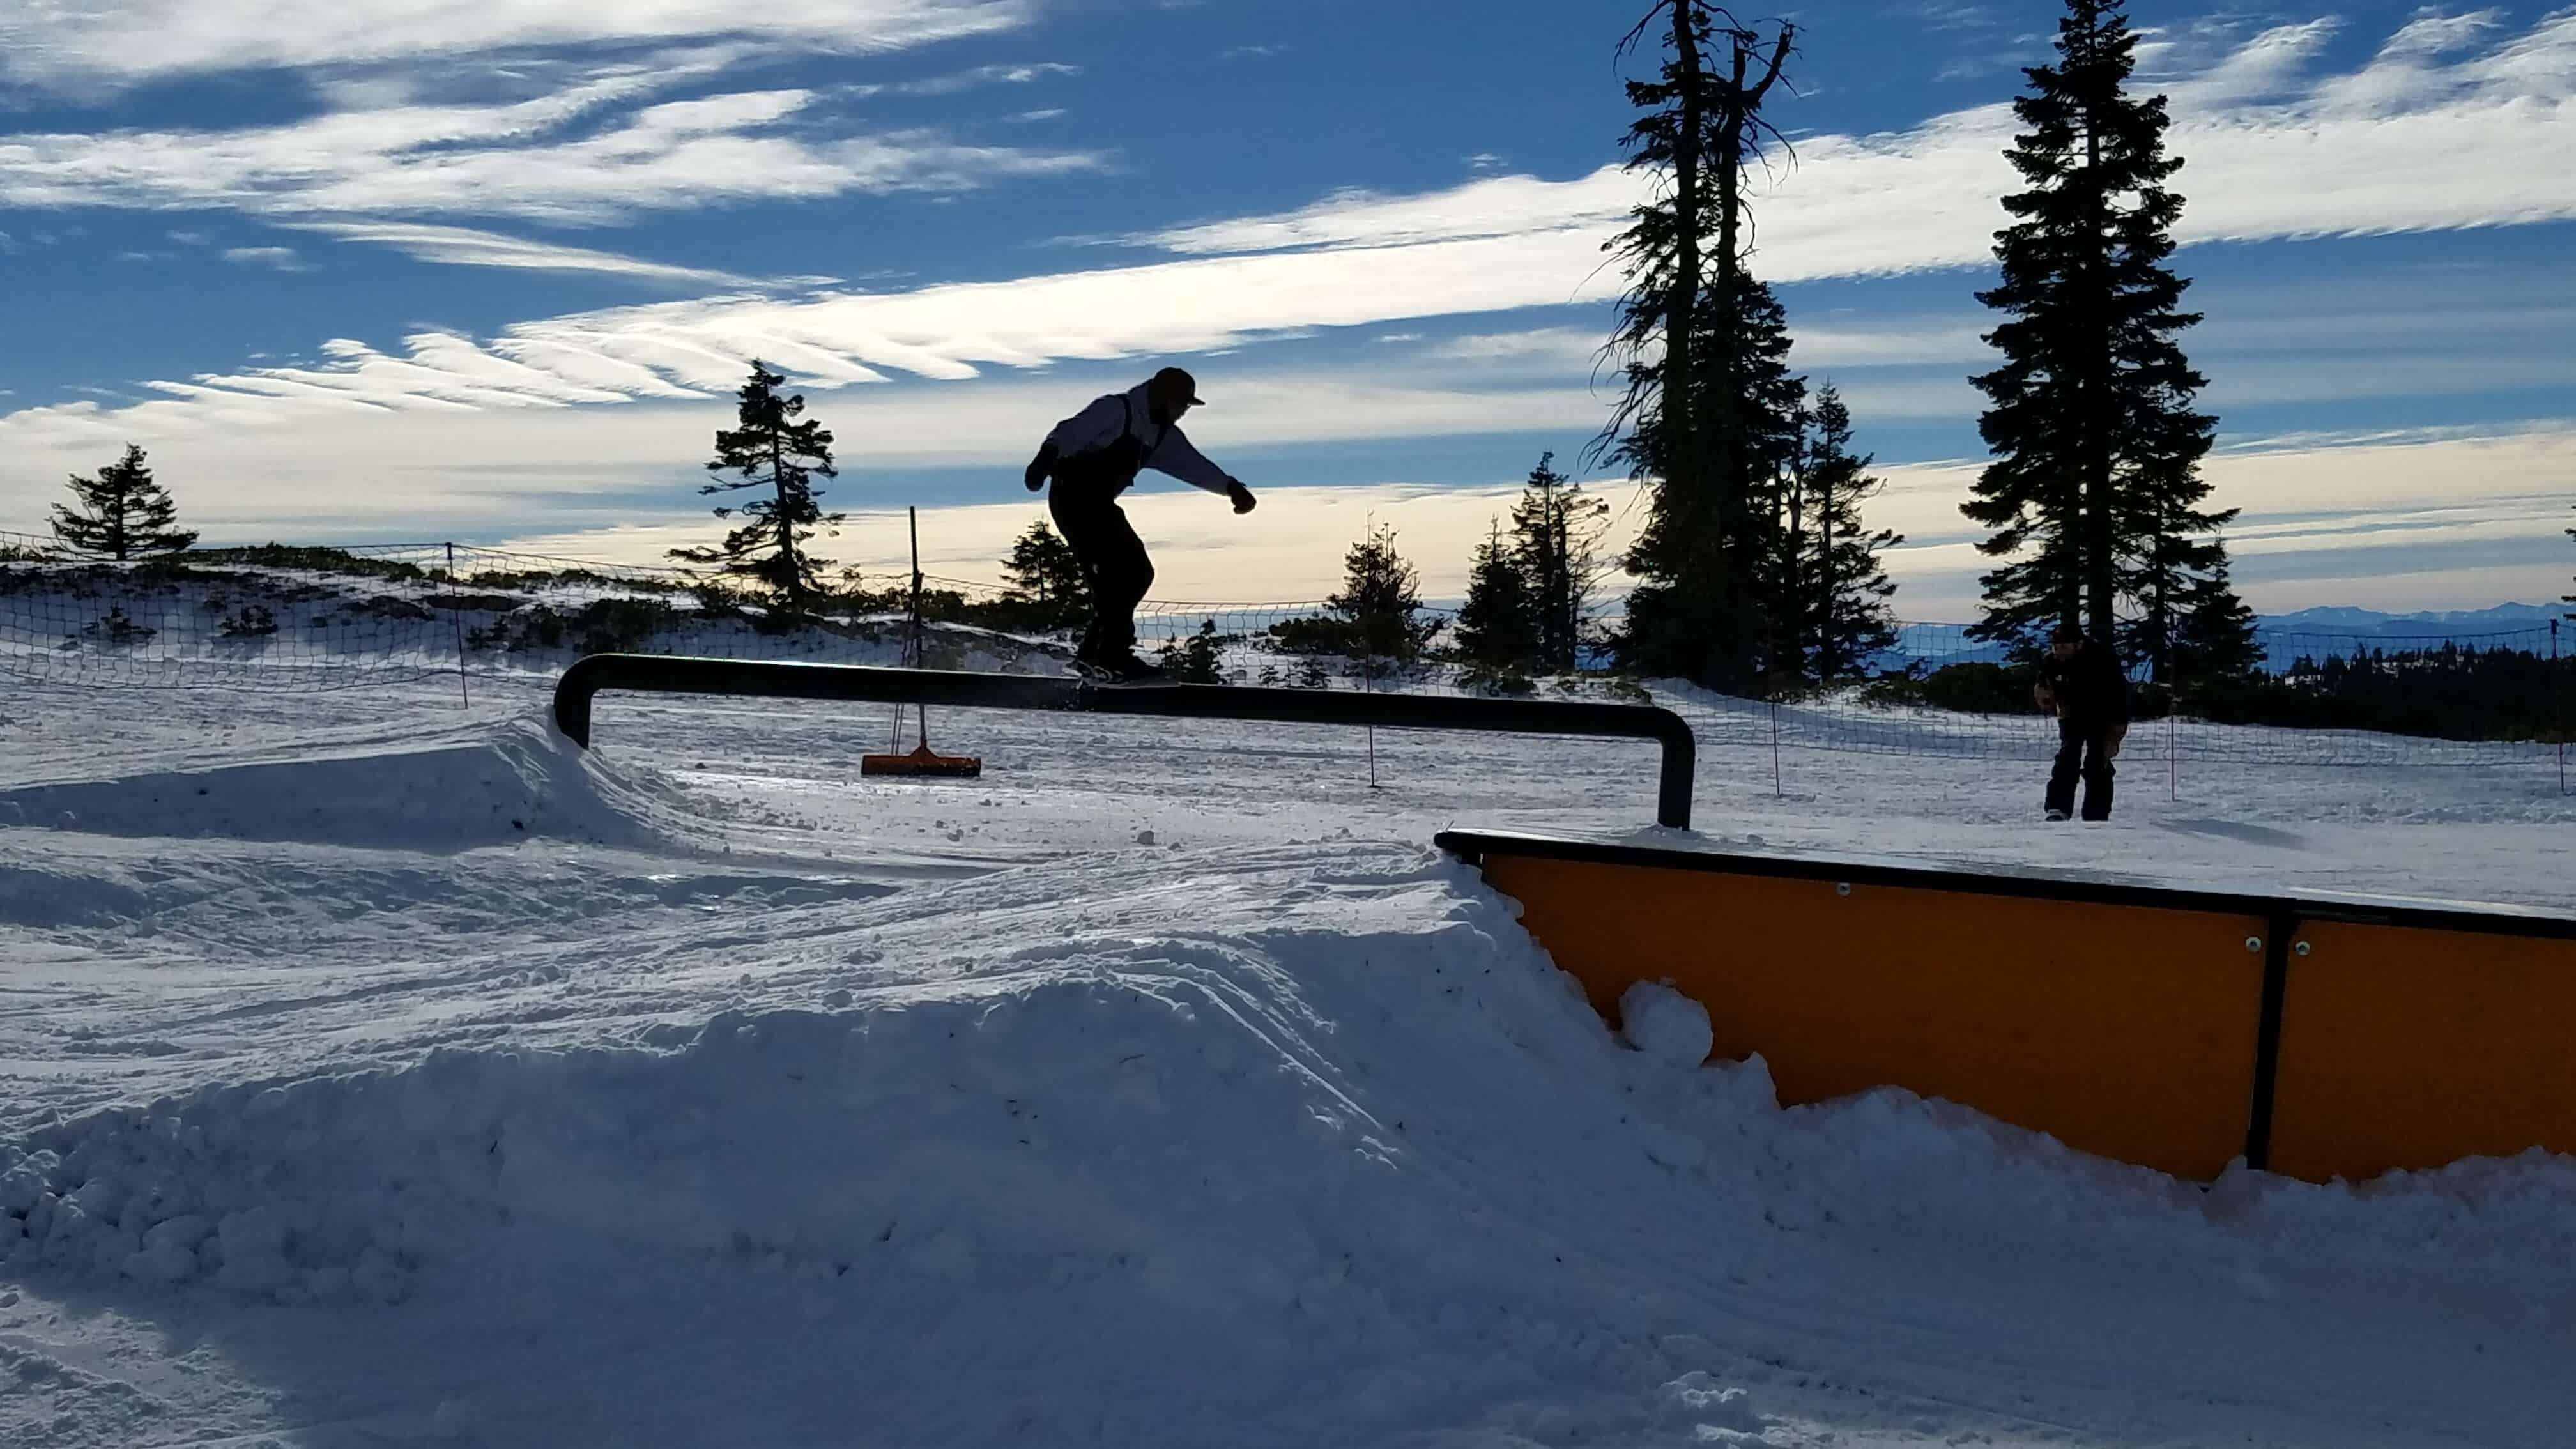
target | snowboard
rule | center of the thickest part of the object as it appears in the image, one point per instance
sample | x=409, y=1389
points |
x=1101, y=678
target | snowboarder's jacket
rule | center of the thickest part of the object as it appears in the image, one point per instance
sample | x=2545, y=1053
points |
x=2087, y=688
x=1108, y=442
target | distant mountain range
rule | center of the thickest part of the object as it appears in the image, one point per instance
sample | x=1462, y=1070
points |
x=2310, y=633
x=2457, y=623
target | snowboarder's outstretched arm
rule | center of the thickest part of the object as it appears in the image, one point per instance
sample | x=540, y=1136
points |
x=1176, y=456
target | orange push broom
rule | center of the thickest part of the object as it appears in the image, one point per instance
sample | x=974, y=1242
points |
x=921, y=760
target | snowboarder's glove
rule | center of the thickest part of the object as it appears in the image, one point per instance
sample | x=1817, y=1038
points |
x=1242, y=496
x=1039, y=467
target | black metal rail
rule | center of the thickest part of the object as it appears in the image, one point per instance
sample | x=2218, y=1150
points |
x=659, y=674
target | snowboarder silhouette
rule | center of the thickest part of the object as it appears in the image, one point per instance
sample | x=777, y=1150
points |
x=1093, y=456
x=2081, y=682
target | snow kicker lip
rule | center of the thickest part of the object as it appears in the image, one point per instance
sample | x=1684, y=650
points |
x=453, y=792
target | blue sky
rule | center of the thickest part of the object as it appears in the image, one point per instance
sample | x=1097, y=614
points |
x=365, y=270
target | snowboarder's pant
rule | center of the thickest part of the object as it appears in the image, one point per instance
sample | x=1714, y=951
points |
x=1114, y=566
x=2082, y=748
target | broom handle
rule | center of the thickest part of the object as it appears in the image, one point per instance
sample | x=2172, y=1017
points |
x=912, y=518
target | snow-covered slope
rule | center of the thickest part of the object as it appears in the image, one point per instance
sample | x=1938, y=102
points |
x=1152, y=1090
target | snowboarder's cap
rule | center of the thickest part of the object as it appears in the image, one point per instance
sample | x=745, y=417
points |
x=1174, y=380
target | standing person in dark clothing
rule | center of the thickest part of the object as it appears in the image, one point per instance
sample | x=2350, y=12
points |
x=1093, y=457
x=2081, y=682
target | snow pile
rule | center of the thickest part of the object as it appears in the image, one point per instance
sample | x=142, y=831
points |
x=1298, y=1146
x=175, y=1194
x=441, y=790
x=1665, y=1025
x=1272, y=1158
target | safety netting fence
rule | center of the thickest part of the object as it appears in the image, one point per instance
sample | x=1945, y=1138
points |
x=278, y=617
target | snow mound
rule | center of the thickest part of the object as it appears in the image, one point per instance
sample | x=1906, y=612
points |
x=1263, y=1148
x=451, y=790
x=1665, y=1025
x=1271, y=1157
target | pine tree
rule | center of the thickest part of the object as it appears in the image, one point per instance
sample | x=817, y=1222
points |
x=1684, y=423
x=1195, y=659
x=1557, y=530
x=1497, y=628
x=2095, y=490
x=123, y=513
x=2166, y=571
x=774, y=451
x=1839, y=587
x=1726, y=633
x=1045, y=576
x=2214, y=641
x=1770, y=412
x=1381, y=600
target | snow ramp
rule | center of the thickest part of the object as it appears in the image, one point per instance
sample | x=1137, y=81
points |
x=1294, y=1146
x=444, y=790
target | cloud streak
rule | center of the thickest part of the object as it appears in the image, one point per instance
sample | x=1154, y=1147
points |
x=2433, y=133
x=75, y=44
x=284, y=259
x=467, y=247
x=530, y=159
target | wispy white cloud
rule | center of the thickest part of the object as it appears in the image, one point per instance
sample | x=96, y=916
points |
x=2489, y=139
x=966, y=80
x=2434, y=133
x=1892, y=342
x=2237, y=69
x=942, y=333
x=521, y=159
x=75, y=44
x=469, y=247
x=284, y=259
x=1940, y=16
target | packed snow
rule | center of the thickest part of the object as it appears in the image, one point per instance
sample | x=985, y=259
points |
x=380, y=1070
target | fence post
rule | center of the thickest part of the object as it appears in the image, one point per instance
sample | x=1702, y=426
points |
x=2558, y=693
x=1368, y=685
x=1776, y=790
x=456, y=616
x=2173, y=749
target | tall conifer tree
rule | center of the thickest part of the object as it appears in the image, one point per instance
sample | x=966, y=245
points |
x=1381, y=600
x=1557, y=528
x=2095, y=493
x=1498, y=625
x=2214, y=640
x=771, y=450
x=1839, y=589
x=1685, y=425
x=123, y=514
